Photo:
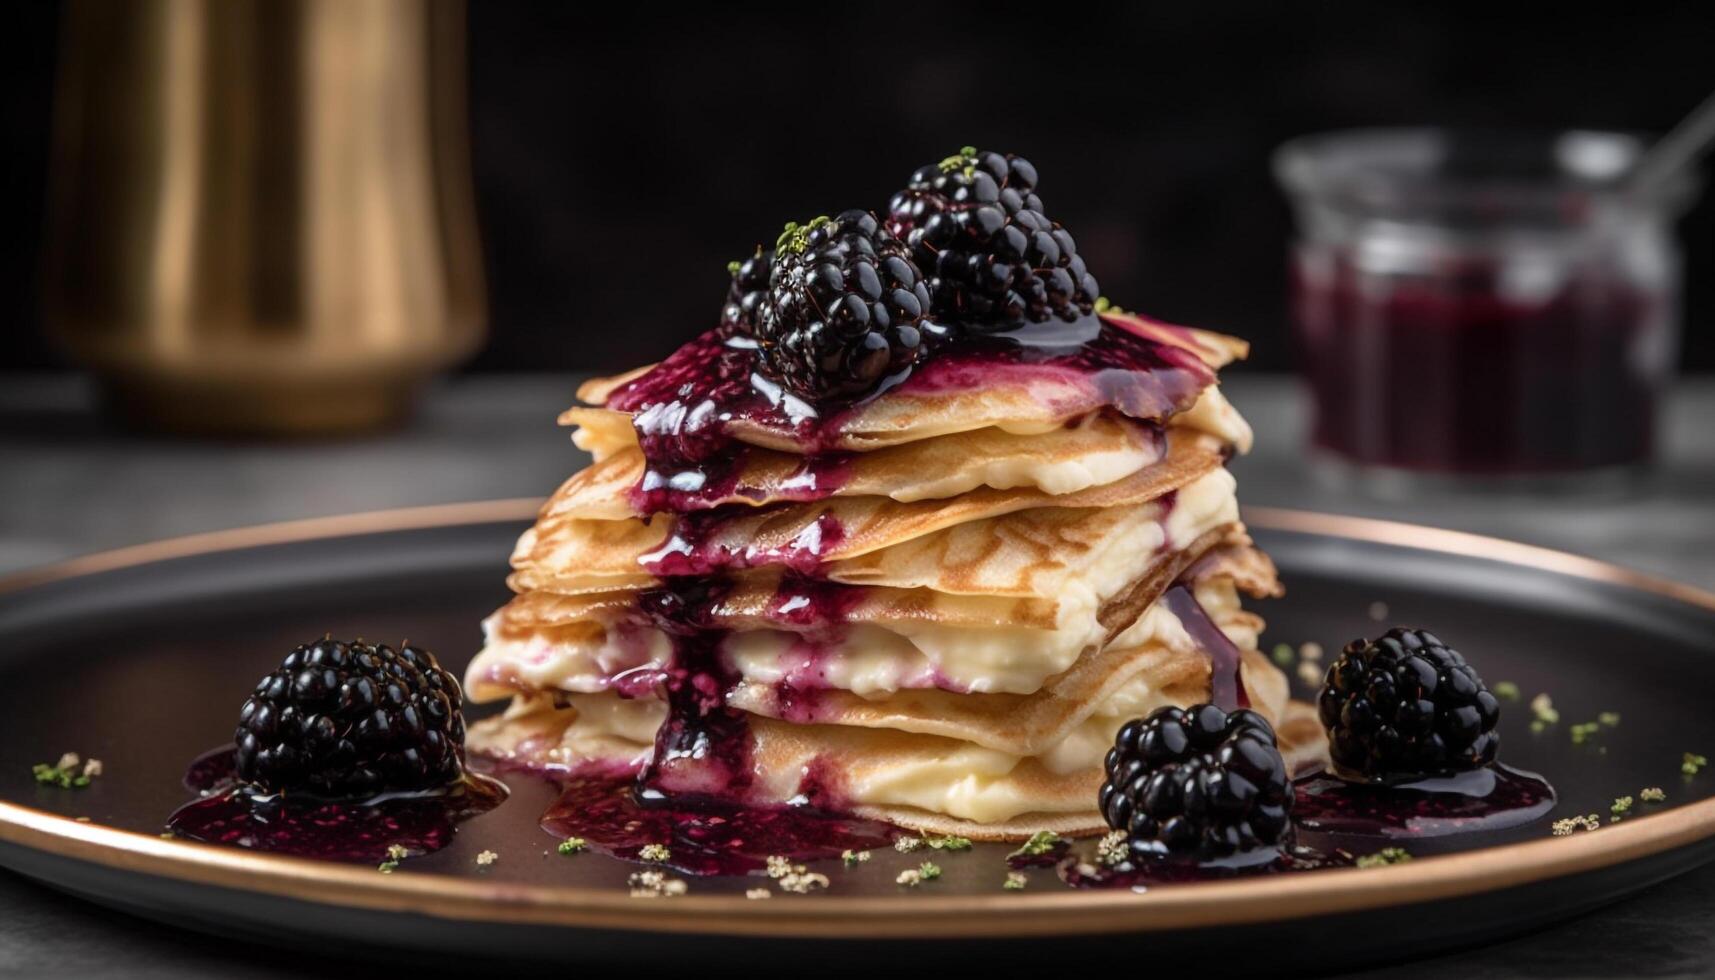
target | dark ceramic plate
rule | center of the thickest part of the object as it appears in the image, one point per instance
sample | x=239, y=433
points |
x=141, y=657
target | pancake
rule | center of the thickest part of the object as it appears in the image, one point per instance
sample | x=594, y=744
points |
x=1047, y=551
x=1118, y=680
x=917, y=781
x=604, y=432
x=1152, y=654
x=1096, y=450
x=994, y=542
x=599, y=431
x=770, y=599
x=1024, y=397
x=883, y=639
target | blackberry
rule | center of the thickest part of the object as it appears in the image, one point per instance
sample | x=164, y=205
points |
x=747, y=293
x=345, y=720
x=1406, y=706
x=994, y=260
x=844, y=310
x=1198, y=783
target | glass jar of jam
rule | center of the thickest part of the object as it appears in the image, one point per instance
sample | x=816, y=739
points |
x=1486, y=306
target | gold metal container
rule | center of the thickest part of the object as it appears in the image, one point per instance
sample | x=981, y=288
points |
x=262, y=217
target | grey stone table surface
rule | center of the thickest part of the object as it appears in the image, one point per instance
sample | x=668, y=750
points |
x=70, y=484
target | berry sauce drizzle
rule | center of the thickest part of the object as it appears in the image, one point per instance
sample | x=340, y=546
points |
x=1492, y=798
x=1127, y=362
x=809, y=602
x=704, y=837
x=703, y=746
x=1226, y=687
x=694, y=546
x=356, y=831
x=680, y=486
x=818, y=608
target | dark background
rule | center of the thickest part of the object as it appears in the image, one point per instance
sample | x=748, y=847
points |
x=622, y=157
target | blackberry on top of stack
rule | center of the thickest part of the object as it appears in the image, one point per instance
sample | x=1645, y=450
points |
x=993, y=258
x=844, y=308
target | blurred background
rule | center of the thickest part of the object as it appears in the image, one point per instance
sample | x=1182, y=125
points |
x=621, y=158
x=406, y=228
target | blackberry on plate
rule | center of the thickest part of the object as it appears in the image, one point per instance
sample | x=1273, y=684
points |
x=994, y=260
x=346, y=720
x=748, y=291
x=845, y=309
x=1198, y=783
x=1406, y=706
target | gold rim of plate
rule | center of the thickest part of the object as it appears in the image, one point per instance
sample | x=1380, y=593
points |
x=1014, y=914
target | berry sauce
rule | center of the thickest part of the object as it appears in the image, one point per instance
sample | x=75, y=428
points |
x=807, y=601
x=694, y=546
x=1126, y=362
x=355, y=831
x=1226, y=687
x=678, y=486
x=702, y=749
x=704, y=837
x=1492, y=798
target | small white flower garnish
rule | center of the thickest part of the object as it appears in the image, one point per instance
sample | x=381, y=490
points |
x=802, y=882
x=655, y=884
x=1111, y=850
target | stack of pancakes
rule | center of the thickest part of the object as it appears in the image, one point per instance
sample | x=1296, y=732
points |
x=936, y=612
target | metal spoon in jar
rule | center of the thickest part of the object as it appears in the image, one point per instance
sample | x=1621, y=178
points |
x=1676, y=152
